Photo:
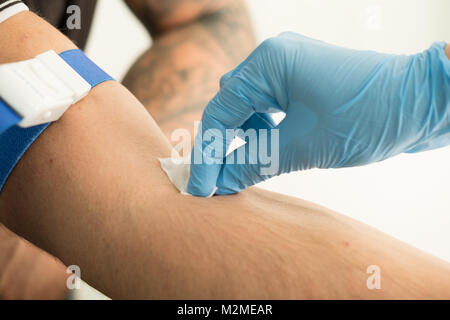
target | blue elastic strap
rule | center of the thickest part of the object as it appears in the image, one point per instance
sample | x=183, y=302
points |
x=84, y=66
x=8, y=117
x=15, y=141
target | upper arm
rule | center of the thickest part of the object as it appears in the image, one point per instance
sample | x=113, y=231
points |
x=89, y=150
x=25, y=35
x=159, y=16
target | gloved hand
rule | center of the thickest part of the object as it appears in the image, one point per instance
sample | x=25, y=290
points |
x=343, y=108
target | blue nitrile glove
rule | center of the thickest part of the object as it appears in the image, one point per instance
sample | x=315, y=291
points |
x=343, y=108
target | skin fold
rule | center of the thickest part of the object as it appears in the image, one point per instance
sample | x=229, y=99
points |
x=90, y=191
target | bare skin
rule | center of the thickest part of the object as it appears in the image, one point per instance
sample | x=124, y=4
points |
x=27, y=272
x=112, y=211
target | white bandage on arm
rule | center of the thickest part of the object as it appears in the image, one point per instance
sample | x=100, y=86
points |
x=10, y=8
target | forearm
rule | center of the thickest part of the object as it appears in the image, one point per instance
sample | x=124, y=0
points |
x=180, y=73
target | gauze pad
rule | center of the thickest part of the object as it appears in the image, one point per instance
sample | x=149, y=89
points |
x=178, y=172
x=178, y=169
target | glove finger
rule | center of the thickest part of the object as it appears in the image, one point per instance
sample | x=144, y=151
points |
x=229, y=109
x=242, y=167
x=227, y=76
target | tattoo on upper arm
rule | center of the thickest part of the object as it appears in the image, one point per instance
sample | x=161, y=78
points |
x=158, y=15
x=180, y=73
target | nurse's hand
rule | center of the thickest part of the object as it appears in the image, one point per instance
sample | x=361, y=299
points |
x=343, y=108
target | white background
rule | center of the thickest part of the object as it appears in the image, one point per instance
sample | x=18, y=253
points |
x=408, y=196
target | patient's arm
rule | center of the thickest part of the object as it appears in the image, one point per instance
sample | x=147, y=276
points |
x=27, y=272
x=91, y=192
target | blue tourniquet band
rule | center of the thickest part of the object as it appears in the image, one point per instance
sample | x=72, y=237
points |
x=8, y=117
x=14, y=140
x=84, y=66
